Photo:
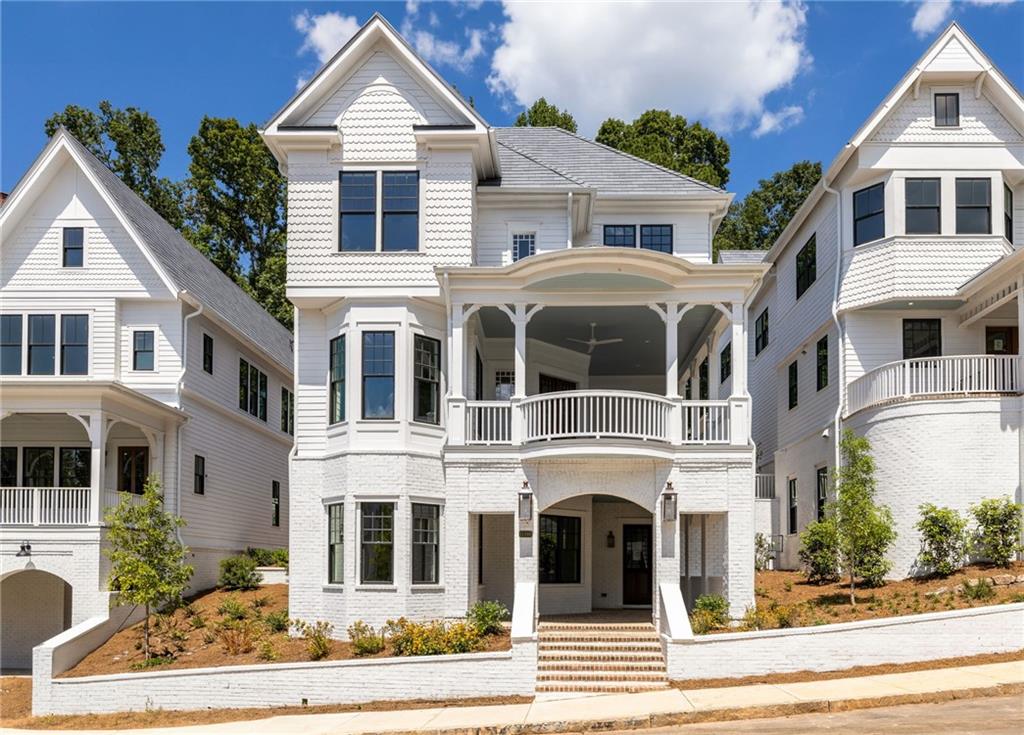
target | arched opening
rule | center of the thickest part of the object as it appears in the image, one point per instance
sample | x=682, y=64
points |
x=34, y=607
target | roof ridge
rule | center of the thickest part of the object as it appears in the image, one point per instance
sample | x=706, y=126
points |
x=567, y=177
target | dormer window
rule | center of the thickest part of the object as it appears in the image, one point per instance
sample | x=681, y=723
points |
x=947, y=110
x=73, y=247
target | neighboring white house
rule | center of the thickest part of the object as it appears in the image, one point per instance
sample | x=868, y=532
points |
x=914, y=341
x=124, y=353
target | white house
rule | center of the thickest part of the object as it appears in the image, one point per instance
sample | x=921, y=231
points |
x=914, y=339
x=124, y=352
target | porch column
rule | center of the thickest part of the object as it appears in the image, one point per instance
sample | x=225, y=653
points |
x=98, y=441
x=456, y=375
x=739, y=350
x=520, y=322
x=671, y=350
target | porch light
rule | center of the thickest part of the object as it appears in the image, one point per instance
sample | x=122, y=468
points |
x=526, y=503
x=668, y=503
x=611, y=540
x=25, y=550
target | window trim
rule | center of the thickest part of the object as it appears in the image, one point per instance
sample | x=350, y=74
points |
x=671, y=239
x=516, y=230
x=935, y=109
x=793, y=384
x=86, y=344
x=207, y=342
x=379, y=212
x=53, y=345
x=903, y=332
x=873, y=213
x=437, y=544
x=21, y=343
x=958, y=206
x=140, y=329
x=907, y=206
x=806, y=275
x=361, y=543
x=275, y=502
x=198, y=477
x=761, y=332
x=339, y=578
x=820, y=366
x=604, y=235
x=416, y=380
x=578, y=567
x=64, y=247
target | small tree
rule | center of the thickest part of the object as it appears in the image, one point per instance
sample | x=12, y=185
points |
x=943, y=539
x=865, y=530
x=819, y=551
x=147, y=562
x=999, y=524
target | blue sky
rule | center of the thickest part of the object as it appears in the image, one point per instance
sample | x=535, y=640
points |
x=780, y=82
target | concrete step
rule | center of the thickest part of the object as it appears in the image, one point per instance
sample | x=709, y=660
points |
x=626, y=627
x=612, y=646
x=597, y=659
x=596, y=636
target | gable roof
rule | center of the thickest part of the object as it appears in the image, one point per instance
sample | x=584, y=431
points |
x=188, y=271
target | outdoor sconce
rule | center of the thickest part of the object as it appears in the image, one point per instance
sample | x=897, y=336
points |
x=526, y=503
x=611, y=540
x=25, y=550
x=668, y=503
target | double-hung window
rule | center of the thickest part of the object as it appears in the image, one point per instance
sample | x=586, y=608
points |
x=560, y=548
x=923, y=212
x=426, y=543
x=656, y=237
x=208, y=353
x=75, y=464
x=41, y=344
x=792, y=504
x=524, y=244
x=1007, y=213
x=794, y=389
x=392, y=218
x=427, y=379
x=869, y=214
x=143, y=350
x=287, y=411
x=199, y=475
x=725, y=363
x=377, y=543
x=378, y=375
x=922, y=338
x=337, y=368
x=806, y=266
x=821, y=358
x=400, y=213
x=620, y=236
x=761, y=332
x=336, y=543
x=74, y=344
x=252, y=389
x=973, y=206
x=73, y=247
x=821, y=486
x=275, y=503
x=947, y=110
x=357, y=211
x=10, y=344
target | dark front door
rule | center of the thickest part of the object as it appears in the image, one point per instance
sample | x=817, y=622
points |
x=1000, y=340
x=637, y=576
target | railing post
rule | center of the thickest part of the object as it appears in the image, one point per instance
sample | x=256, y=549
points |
x=675, y=421
x=516, y=423
x=739, y=426
x=36, y=498
x=456, y=421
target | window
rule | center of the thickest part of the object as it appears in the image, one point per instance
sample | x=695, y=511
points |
x=479, y=549
x=973, y=206
x=792, y=505
x=377, y=542
x=74, y=344
x=401, y=193
x=806, y=266
x=761, y=332
x=793, y=385
x=8, y=466
x=252, y=389
x=869, y=214
x=199, y=475
x=275, y=502
x=263, y=397
x=75, y=466
x=378, y=375
x=922, y=338
x=688, y=389
x=656, y=237
x=821, y=352
x=560, y=544
x=947, y=110
x=504, y=384
x=923, y=210
x=41, y=336
x=1007, y=213
x=426, y=535
x=208, y=353
x=287, y=411
x=73, y=247
x=620, y=236
x=427, y=379
x=336, y=543
x=821, y=485
x=10, y=344
x=142, y=350
x=524, y=244
x=37, y=467
x=357, y=225
x=703, y=385
x=725, y=360
x=337, y=360
x=132, y=464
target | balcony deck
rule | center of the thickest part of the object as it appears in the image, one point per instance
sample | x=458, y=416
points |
x=55, y=506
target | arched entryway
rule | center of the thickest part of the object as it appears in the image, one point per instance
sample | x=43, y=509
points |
x=34, y=606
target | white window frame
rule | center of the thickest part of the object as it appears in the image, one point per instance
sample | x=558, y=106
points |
x=959, y=108
x=155, y=329
x=84, y=225
x=521, y=228
x=358, y=502
x=439, y=502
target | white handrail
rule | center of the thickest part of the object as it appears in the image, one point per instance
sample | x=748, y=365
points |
x=597, y=414
x=44, y=506
x=706, y=422
x=935, y=376
x=488, y=422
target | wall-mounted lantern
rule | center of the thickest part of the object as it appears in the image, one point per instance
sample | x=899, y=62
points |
x=669, y=506
x=25, y=550
x=611, y=540
x=526, y=502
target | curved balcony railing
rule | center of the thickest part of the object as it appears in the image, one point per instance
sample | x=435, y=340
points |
x=936, y=376
x=596, y=414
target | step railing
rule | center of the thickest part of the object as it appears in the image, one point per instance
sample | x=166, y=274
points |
x=596, y=414
x=936, y=376
x=706, y=422
x=45, y=506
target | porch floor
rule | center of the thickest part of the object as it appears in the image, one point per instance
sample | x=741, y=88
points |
x=607, y=616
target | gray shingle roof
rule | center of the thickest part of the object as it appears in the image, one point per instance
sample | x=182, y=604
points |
x=741, y=256
x=570, y=160
x=190, y=270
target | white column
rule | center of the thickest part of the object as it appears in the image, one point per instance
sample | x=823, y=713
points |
x=520, y=360
x=97, y=440
x=456, y=376
x=739, y=350
x=671, y=350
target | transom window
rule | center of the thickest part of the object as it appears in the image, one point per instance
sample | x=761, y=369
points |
x=287, y=411
x=377, y=542
x=725, y=363
x=973, y=206
x=922, y=338
x=336, y=543
x=41, y=338
x=252, y=389
x=656, y=237
x=923, y=209
x=560, y=547
x=504, y=384
x=794, y=386
x=337, y=369
x=947, y=110
x=132, y=468
x=426, y=537
x=761, y=332
x=620, y=236
x=806, y=266
x=10, y=344
x=73, y=247
x=524, y=244
x=821, y=357
x=792, y=504
x=74, y=344
x=378, y=375
x=427, y=380
x=869, y=214
x=142, y=350
x=392, y=219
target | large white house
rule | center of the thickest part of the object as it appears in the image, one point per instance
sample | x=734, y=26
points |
x=124, y=352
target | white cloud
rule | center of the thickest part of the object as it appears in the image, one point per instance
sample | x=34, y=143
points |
x=443, y=52
x=776, y=122
x=324, y=33
x=616, y=59
x=931, y=15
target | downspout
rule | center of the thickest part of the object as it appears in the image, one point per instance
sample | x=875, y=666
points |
x=841, y=341
x=180, y=386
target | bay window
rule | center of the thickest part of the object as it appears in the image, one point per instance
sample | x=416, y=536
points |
x=426, y=535
x=427, y=379
x=377, y=543
x=378, y=375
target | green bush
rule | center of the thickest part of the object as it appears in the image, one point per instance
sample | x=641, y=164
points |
x=716, y=606
x=318, y=638
x=268, y=557
x=365, y=640
x=980, y=589
x=819, y=551
x=997, y=537
x=487, y=616
x=238, y=636
x=239, y=573
x=433, y=638
x=703, y=621
x=944, y=539
x=232, y=608
x=763, y=553
x=277, y=621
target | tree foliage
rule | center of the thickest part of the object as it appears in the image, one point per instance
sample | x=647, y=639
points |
x=756, y=221
x=669, y=140
x=147, y=561
x=543, y=114
x=944, y=539
x=997, y=537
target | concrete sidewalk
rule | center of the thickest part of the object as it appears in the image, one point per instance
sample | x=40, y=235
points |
x=575, y=713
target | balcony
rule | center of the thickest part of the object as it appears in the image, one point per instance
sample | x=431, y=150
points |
x=55, y=506
x=936, y=377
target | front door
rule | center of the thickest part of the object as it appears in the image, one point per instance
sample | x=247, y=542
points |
x=637, y=575
x=1000, y=340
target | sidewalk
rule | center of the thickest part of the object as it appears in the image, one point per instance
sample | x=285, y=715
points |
x=575, y=713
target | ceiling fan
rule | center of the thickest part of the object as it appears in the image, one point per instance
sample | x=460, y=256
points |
x=594, y=341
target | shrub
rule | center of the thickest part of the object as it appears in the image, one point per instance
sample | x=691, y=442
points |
x=232, y=608
x=979, y=589
x=239, y=573
x=943, y=539
x=703, y=621
x=267, y=652
x=238, y=636
x=755, y=618
x=366, y=641
x=277, y=621
x=997, y=537
x=487, y=616
x=763, y=552
x=432, y=638
x=819, y=551
x=318, y=638
x=786, y=616
x=268, y=557
x=714, y=605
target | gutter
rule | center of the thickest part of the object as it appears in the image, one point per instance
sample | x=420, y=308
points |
x=841, y=341
x=188, y=298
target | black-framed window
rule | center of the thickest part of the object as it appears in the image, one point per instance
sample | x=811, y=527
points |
x=561, y=543
x=42, y=330
x=947, y=110
x=208, y=353
x=794, y=388
x=10, y=344
x=263, y=398
x=37, y=466
x=869, y=214
x=400, y=192
x=287, y=411
x=8, y=466
x=143, y=350
x=761, y=332
x=377, y=543
x=703, y=384
x=821, y=487
x=132, y=469
x=357, y=211
x=725, y=363
x=336, y=543
x=821, y=362
x=199, y=475
x=427, y=379
x=656, y=237
x=275, y=503
x=504, y=384
x=524, y=244
x=620, y=236
x=1007, y=213
x=973, y=206
x=378, y=375
x=426, y=543
x=479, y=549
x=922, y=338
x=74, y=344
x=337, y=369
x=74, y=467
x=792, y=504
x=806, y=265
x=252, y=389
x=923, y=206
x=73, y=247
